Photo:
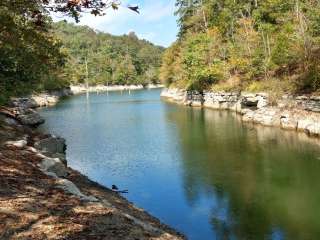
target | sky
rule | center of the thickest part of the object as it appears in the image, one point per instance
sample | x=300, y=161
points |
x=155, y=23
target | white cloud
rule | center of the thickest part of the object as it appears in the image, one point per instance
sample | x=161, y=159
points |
x=150, y=24
x=112, y=21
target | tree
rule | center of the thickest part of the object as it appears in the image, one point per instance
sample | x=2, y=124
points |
x=37, y=10
x=29, y=54
x=111, y=60
x=31, y=57
x=255, y=42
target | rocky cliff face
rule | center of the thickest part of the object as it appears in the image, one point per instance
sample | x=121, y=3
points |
x=301, y=113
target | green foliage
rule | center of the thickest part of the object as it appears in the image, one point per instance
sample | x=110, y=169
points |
x=171, y=67
x=37, y=10
x=29, y=54
x=33, y=58
x=251, y=41
x=111, y=59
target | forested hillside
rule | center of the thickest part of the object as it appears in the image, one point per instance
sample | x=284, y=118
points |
x=29, y=54
x=37, y=54
x=252, y=45
x=110, y=59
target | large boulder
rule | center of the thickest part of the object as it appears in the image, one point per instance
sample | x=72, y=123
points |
x=194, y=99
x=263, y=102
x=30, y=117
x=254, y=100
x=288, y=121
x=40, y=100
x=304, y=123
x=18, y=144
x=61, y=156
x=309, y=125
x=175, y=94
x=249, y=100
x=54, y=165
x=71, y=188
x=23, y=103
x=51, y=145
x=221, y=100
x=267, y=116
x=313, y=129
x=52, y=100
x=312, y=104
x=247, y=115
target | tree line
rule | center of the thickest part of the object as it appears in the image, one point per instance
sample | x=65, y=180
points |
x=37, y=54
x=255, y=45
x=107, y=59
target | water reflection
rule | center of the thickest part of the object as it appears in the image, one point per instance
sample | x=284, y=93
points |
x=263, y=182
x=204, y=172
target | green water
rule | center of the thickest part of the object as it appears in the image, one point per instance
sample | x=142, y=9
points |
x=204, y=172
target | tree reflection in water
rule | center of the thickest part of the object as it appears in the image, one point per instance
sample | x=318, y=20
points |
x=263, y=181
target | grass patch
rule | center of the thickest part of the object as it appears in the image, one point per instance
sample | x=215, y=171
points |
x=272, y=85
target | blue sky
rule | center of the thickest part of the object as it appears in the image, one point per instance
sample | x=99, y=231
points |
x=156, y=22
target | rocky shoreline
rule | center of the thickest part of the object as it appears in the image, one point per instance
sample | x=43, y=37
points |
x=299, y=113
x=103, y=88
x=51, y=98
x=42, y=198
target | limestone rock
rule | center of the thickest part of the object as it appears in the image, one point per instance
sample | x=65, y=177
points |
x=304, y=123
x=291, y=112
x=238, y=107
x=23, y=103
x=313, y=129
x=52, y=100
x=175, y=94
x=262, y=102
x=18, y=144
x=71, y=188
x=51, y=145
x=302, y=98
x=30, y=117
x=61, y=156
x=247, y=115
x=267, y=116
x=220, y=100
x=194, y=98
x=250, y=102
x=196, y=103
x=310, y=105
x=309, y=124
x=287, y=121
x=54, y=165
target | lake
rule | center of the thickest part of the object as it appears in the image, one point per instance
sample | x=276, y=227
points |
x=201, y=171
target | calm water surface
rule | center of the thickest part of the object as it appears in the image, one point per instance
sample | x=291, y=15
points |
x=201, y=171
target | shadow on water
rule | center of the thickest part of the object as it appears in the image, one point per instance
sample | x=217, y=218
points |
x=202, y=171
x=263, y=181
